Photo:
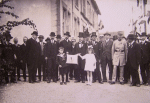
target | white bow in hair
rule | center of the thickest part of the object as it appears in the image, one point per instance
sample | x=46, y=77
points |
x=90, y=46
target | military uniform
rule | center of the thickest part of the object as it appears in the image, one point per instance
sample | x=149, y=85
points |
x=119, y=56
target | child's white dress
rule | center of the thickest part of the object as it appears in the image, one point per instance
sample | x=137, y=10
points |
x=90, y=62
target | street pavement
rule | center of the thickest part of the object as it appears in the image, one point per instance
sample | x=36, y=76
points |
x=24, y=92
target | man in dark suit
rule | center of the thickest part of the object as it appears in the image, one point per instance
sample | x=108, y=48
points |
x=17, y=65
x=41, y=61
x=81, y=48
x=58, y=37
x=96, y=46
x=133, y=60
x=8, y=57
x=32, y=56
x=106, y=58
x=66, y=43
x=51, y=51
x=145, y=58
x=23, y=60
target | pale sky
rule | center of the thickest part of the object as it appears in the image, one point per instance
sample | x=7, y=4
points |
x=115, y=14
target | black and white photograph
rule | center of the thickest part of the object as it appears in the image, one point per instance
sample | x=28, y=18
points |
x=74, y=51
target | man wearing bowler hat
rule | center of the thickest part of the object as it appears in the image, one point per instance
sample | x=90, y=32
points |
x=41, y=61
x=51, y=51
x=32, y=56
x=96, y=46
x=106, y=58
x=81, y=48
x=66, y=43
x=145, y=58
x=8, y=57
x=133, y=59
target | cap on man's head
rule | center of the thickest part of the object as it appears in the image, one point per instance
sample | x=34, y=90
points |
x=93, y=34
x=7, y=34
x=41, y=36
x=131, y=36
x=143, y=34
x=35, y=33
x=47, y=39
x=58, y=36
x=107, y=34
x=52, y=34
x=67, y=33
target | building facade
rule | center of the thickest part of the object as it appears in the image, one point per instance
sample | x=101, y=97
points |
x=57, y=16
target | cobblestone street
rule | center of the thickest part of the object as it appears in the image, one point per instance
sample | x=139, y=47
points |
x=24, y=92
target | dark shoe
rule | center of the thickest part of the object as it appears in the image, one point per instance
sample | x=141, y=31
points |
x=61, y=83
x=146, y=84
x=83, y=81
x=104, y=80
x=65, y=83
x=37, y=81
x=76, y=81
x=101, y=82
x=138, y=85
x=122, y=83
x=112, y=83
x=68, y=81
x=48, y=81
x=19, y=79
x=132, y=84
x=31, y=82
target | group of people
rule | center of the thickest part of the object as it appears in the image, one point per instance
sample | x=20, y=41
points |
x=122, y=55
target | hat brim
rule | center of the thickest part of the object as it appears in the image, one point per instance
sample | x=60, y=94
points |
x=67, y=35
x=34, y=34
x=107, y=34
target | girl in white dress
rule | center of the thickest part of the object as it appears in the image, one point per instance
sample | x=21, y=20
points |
x=90, y=64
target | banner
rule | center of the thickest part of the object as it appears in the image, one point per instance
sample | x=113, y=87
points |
x=72, y=59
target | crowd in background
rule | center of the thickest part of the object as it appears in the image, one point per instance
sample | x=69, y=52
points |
x=123, y=56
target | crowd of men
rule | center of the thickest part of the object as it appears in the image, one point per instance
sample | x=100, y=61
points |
x=41, y=56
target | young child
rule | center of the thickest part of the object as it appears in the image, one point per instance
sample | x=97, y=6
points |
x=61, y=61
x=90, y=64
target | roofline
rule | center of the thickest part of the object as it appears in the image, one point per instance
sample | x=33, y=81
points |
x=96, y=7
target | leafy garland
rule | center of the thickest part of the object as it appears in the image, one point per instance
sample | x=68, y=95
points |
x=2, y=4
x=10, y=24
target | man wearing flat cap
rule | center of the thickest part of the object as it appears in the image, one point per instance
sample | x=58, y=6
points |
x=66, y=43
x=81, y=48
x=51, y=50
x=106, y=57
x=33, y=52
x=133, y=59
x=41, y=61
x=96, y=46
x=8, y=57
x=145, y=58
